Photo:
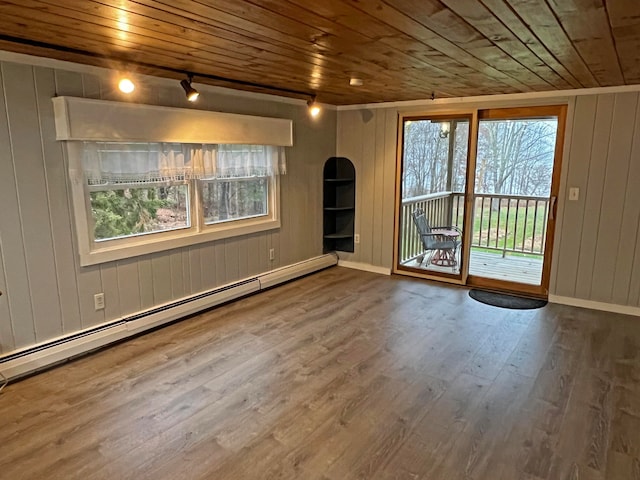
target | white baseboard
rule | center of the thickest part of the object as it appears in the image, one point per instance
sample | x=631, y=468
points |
x=37, y=357
x=605, y=307
x=367, y=267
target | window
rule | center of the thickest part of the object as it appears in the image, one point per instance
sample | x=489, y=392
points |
x=137, y=198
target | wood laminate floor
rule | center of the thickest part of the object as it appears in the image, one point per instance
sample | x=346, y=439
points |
x=342, y=375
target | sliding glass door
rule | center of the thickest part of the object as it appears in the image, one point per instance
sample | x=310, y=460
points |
x=477, y=197
x=514, y=198
x=435, y=153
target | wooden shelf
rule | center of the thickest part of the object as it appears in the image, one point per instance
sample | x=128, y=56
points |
x=338, y=235
x=339, y=199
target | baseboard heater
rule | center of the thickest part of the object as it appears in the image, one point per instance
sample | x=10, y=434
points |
x=43, y=355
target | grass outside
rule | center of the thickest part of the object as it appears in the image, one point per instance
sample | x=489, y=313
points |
x=522, y=232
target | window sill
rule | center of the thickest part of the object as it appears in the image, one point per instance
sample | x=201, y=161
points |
x=148, y=244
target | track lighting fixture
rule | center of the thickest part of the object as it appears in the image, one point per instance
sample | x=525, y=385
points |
x=444, y=129
x=314, y=108
x=192, y=93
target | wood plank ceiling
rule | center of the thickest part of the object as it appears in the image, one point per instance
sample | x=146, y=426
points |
x=401, y=49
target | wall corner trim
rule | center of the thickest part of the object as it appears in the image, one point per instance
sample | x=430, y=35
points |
x=41, y=356
x=367, y=267
x=602, y=306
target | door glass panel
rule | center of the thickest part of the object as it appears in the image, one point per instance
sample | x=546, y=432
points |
x=514, y=167
x=434, y=166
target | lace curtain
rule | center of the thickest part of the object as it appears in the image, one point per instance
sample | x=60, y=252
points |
x=117, y=163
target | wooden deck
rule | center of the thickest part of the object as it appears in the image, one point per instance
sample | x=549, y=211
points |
x=491, y=265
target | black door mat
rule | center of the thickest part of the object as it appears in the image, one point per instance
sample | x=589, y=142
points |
x=504, y=300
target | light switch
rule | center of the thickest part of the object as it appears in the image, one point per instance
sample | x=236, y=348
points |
x=574, y=194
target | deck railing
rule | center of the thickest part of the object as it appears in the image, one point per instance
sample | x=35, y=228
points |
x=506, y=223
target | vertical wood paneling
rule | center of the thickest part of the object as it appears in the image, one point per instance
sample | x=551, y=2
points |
x=593, y=201
x=7, y=342
x=293, y=217
x=177, y=279
x=145, y=282
x=15, y=268
x=388, y=212
x=109, y=278
x=186, y=271
x=89, y=283
x=231, y=259
x=367, y=182
x=264, y=251
x=253, y=254
x=61, y=220
x=378, y=189
x=34, y=194
x=243, y=256
x=129, y=286
x=349, y=145
x=220, y=264
x=208, y=265
x=578, y=176
x=24, y=127
x=613, y=196
x=274, y=242
x=195, y=264
x=91, y=87
x=88, y=278
x=283, y=248
x=628, y=270
x=161, y=269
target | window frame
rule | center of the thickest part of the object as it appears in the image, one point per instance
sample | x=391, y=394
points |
x=93, y=252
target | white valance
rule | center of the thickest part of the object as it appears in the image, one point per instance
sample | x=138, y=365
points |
x=126, y=163
x=105, y=121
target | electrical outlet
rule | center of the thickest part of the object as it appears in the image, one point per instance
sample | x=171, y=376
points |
x=98, y=301
x=272, y=254
x=356, y=238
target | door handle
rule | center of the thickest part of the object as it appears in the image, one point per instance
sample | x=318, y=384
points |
x=552, y=208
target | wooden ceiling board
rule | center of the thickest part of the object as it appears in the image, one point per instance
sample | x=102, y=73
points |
x=378, y=36
x=454, y=36
x=402, y=49
x=502, y=11
x=380, y=61
x=419, y=42
x=587, y=25
x=156, y=52
x=624, y=18
x=481, y=18
x=544, y=24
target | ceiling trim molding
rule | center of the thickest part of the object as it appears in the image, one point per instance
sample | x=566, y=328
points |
x=509, y=97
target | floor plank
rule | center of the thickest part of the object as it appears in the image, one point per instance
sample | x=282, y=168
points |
x=341, y=375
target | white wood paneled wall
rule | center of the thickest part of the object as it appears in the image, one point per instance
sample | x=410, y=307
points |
x=597, y=255
x=368, y=139
x=46, y=294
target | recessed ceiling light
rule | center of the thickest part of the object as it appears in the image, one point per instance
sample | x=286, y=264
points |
x=356, y=82
x=126, y=86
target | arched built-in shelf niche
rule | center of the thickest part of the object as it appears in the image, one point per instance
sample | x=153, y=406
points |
x=339, y=205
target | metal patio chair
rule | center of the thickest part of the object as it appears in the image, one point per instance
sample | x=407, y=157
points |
x=439, y=247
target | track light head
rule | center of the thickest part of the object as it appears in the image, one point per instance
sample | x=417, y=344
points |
x=126, y=85
x=191, y=93
x=314, y=108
